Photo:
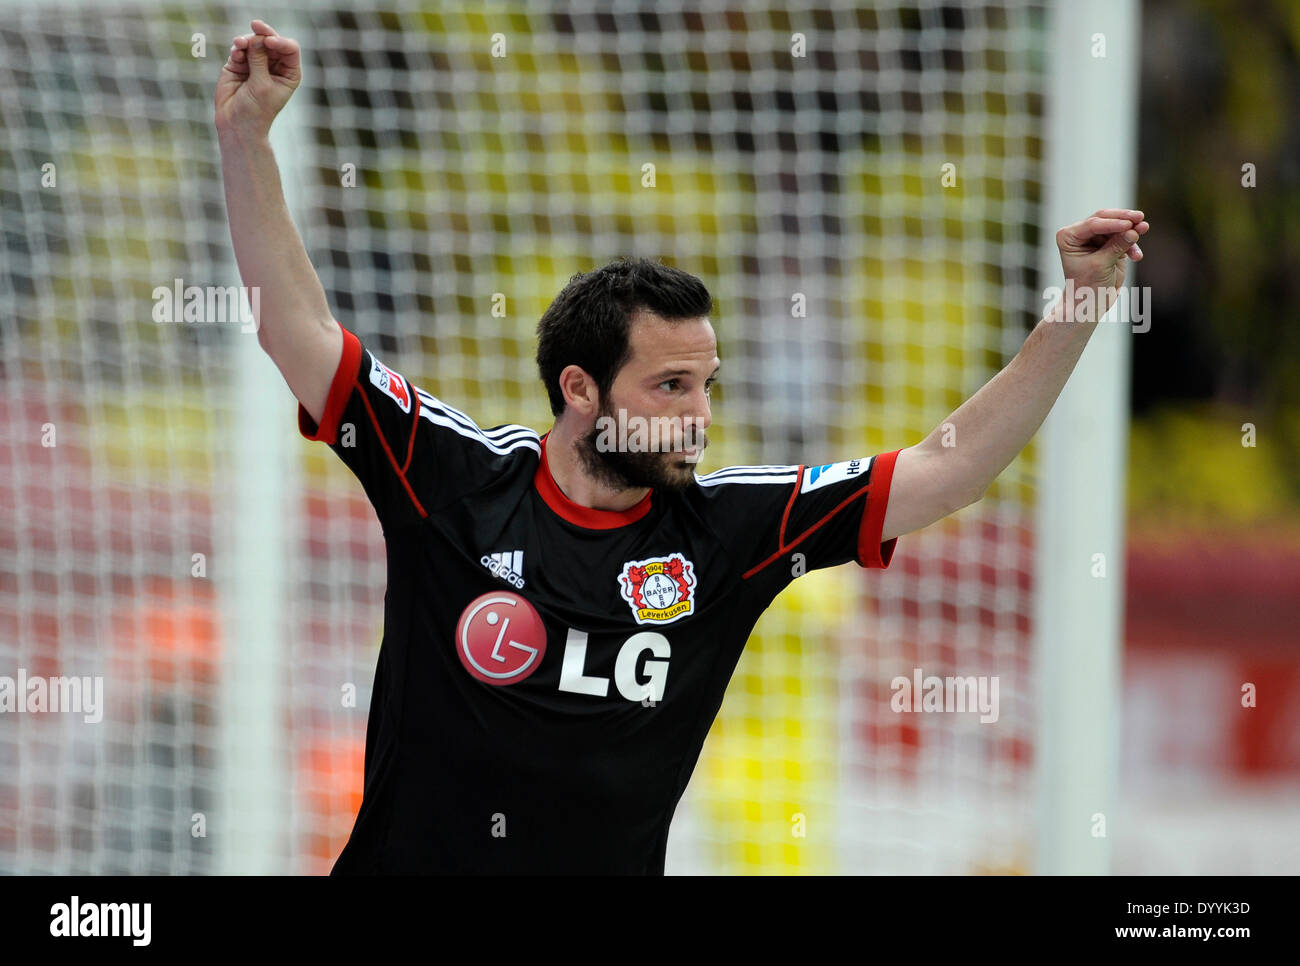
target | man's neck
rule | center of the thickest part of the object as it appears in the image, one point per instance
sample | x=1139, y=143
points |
x=571, y=476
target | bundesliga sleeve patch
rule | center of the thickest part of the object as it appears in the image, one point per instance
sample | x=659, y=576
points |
x=659, y=590
x=390, y=384
x=815, y=477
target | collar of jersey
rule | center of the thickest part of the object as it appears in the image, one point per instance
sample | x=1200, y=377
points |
x=576, y=513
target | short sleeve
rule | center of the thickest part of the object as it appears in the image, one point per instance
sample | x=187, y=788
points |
x=412, y=453
x=839, y=510
x=782, y=520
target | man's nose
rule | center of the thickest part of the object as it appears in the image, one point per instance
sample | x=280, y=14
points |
x=702, y=413
x=698, y=420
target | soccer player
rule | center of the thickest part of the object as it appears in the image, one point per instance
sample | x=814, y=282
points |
x=564, y=610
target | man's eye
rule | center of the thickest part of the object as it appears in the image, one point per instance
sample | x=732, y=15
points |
x=672, y=385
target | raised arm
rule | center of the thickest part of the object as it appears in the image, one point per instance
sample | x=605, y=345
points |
x=294, y=323
x=954, y=465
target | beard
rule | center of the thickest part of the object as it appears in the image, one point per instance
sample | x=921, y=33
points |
x=620, y=470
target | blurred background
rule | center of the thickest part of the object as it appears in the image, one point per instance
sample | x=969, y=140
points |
x=450, y=166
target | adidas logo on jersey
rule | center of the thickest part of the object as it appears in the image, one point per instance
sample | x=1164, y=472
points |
x=509, y=566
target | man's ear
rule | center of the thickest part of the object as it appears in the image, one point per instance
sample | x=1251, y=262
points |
x=580, y=391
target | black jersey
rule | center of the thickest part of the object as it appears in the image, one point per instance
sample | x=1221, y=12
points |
x=549, y=672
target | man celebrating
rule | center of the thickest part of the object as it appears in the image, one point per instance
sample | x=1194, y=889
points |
x=565, y=610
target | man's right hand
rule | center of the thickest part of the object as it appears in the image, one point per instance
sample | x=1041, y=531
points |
x=257, y=80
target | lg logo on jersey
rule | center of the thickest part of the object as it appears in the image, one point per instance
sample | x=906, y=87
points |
x=573, y=676
x=501, y=639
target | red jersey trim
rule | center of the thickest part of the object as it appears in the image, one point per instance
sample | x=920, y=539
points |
x=871, y=552
x=576, y=513
x=873, y=519
x=410, y=446
x=340, y=389
x=388, y=451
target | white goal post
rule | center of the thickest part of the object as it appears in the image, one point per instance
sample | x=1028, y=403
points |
x=1092, y=138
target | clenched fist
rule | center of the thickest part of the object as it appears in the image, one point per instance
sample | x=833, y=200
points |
x=257, y=80
x=1094, y=251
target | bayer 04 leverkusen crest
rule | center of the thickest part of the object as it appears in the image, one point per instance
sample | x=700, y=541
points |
x=659, y=590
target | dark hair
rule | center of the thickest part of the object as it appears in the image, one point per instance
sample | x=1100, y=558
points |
x=588, y=323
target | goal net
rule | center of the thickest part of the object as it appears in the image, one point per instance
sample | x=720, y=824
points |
x=859, y=186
